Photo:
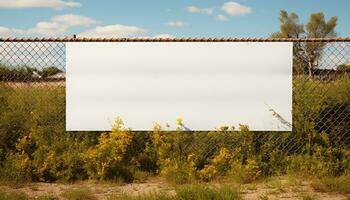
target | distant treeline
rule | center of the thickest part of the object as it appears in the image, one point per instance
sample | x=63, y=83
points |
x=26, y=73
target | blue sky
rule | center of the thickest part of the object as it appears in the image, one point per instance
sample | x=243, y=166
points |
x=153, y=18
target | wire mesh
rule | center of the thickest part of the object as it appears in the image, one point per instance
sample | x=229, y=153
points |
x=321, y=88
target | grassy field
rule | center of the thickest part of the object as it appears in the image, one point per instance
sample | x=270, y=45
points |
x=40, y=160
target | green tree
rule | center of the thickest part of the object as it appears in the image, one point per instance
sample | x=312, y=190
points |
x=344, y=68
x=21, y=73
x=49, y=71
x=290, y=27
x=306, y=55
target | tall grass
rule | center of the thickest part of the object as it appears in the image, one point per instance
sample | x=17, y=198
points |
x=189, y=192
x=332, y=184
x=13, y=195
x=34, y=145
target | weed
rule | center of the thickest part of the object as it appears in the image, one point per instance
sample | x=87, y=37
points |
x=251, y=187
x=336, y=185
x=203, y=192
x=264, y=197
x=13, y=196
x=47, y=197
x=189, y=192
x=308, y=197
x=151, y=196
x=141, y=176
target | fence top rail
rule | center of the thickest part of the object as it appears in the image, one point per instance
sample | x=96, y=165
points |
x=79, y=39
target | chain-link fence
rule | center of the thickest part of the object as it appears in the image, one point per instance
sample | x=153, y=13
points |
x=321, y=88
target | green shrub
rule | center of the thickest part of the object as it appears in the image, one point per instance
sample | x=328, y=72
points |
x=218, y=166
x=16, y=169
x=245, y=173
x=174, y=159
x=25, y=73
x=17, y=106
x=318, y=107
x=61, y=161
x=324, y=162
x=105, y=160
x=212, y=157
x=179, y=173
x=306, y=165
x=32, y=131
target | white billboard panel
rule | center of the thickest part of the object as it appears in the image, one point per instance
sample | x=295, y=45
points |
x=208, y=84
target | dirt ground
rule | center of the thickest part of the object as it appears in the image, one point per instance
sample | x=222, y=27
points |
x=15, y=85
x=277, y=188
x=284, y=188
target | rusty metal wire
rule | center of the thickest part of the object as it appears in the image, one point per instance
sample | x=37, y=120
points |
x=80, y=39
x=321, y=90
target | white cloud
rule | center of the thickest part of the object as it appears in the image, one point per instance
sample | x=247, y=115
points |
x=164, y=36
x=60, y=24
x=57, y=4
x=221, y=18
x=55, y=26
x=73, y=20
x=194, y=9
x=231, y=8
x=116, y=30
x=5, y=32
x=47, y=28
x=235, y=9
x=176, y=23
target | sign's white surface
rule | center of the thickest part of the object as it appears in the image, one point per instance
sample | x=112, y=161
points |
x=208, y=84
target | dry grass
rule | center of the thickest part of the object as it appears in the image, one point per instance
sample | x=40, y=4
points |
x=157, y=188
x=79, y=194
x=33, y=84
x=332, y=185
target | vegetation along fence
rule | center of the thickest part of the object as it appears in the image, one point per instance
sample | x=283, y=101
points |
x=32, y=100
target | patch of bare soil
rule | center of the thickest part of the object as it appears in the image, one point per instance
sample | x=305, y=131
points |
x=276, y=188
x=284, y=188
x=100, y=189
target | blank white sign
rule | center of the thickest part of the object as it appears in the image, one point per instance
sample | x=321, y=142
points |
x=208, y=84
